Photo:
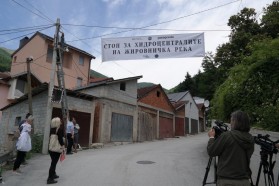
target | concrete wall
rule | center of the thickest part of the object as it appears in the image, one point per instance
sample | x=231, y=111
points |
x=39, y=103
x=112, y=91
x=19, y=110
x=112, y=99
x=107, y=108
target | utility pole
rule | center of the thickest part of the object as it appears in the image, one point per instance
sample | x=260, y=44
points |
x=61, y=81
x=28, y=61
x=50, y=90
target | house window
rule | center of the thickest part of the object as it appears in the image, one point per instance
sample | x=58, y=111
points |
x=123, y=86
x=17, y=121
x=14, y=60
x=49, y=54
x=158, y=93
x=81, y=60
x=79, y=82
x=20, y=85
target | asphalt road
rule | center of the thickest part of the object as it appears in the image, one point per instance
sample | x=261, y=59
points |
x=170, y=162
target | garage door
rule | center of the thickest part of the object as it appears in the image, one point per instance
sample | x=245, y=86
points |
x=194, y=126
x=179, y=126
x=187, y=125
x=147, y=126
x=121, y=128
x=83, y=119
x=166, y=128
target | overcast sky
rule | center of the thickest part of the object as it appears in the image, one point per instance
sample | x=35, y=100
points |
x=104, y=18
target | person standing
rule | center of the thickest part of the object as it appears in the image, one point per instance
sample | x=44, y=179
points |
x=234, y=150
x=23, y=121
x=76, y=135
x=70, y=135
x=23, y=144
x=55, y=129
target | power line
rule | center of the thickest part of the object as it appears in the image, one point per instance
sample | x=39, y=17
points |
x=50, y=69
x=17, y=63
x=123, y=67
x=25, y=35
x=78, y=38
x=22, y=30
x=144, y=27
x=25, y=28
x=138, y=28
x=45, y=17
x=193, y=13
x=129, y=29
x=21, y=62
x=40, y=12
x=32, y=11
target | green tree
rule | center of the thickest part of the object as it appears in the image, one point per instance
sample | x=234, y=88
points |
x=206, y=82
x=5, y=60
x=186, y=85
x=244, y=27
x=252, y=86
x=243, y=74
x=270, y=20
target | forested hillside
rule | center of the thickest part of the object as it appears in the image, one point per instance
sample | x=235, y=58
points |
x=244, y=72
x=5, y=60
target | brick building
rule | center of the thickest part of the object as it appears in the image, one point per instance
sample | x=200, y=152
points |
x=156, y=114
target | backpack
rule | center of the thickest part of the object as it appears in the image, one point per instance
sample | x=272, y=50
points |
x=16, y=134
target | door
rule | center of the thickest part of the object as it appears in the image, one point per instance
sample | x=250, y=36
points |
x=165, y=128
x=194, y=126
x=179, y=126
x=83, y=119
x=121, y=128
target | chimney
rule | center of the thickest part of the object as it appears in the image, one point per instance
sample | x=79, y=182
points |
x=23, y=41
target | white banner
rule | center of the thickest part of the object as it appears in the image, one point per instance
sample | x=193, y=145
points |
x=153, y=47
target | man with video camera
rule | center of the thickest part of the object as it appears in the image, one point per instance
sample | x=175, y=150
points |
x=234, y=149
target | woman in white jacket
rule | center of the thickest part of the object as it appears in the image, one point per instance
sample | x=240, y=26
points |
x=23, y=144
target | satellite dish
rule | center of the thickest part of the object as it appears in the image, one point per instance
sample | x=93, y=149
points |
x=206, y=103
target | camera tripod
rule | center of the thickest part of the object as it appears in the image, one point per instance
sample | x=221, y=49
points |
x=267, y=169
x=207, y=171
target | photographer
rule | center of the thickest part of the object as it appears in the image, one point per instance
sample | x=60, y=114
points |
x=234, y=149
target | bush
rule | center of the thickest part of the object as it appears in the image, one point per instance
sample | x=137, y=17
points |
x=37, y=143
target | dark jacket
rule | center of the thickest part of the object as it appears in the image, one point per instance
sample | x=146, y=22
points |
x=234, y=149
x=60, y=134
x=20, y=125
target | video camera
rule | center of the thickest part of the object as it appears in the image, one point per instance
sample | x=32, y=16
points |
x=220, y=128
x=266, y=143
